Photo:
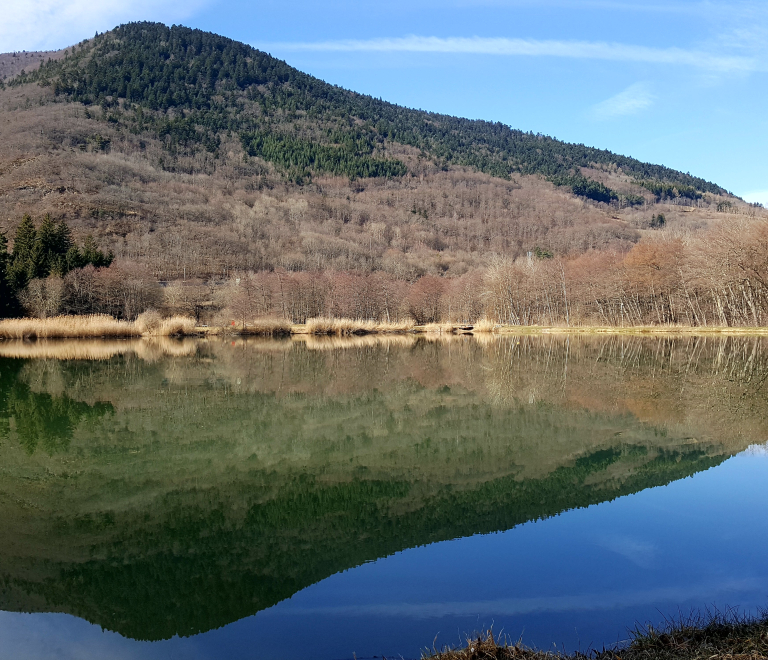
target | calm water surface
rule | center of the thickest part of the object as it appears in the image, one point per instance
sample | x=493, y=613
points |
x=208, y=499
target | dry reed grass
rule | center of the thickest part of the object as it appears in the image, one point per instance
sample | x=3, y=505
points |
x=95, y=326
x=730, y=636
x=485, y=647
x=259, y=327
x=267, y=327
x=152, y=324
x=330, y=343
x=176, y=326
x=67, y=327
x=484, y=325
x=148, y=322
x=350, y=327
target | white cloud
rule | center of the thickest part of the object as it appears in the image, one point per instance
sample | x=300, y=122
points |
x=597, y=50
x=54, y=24
x=633, y=99
x=639, y=552
x=604, y=5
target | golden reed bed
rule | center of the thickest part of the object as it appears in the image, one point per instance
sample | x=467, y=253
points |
x=348, y=327
x=93, y=327
x=65, y=327
x=151, y=324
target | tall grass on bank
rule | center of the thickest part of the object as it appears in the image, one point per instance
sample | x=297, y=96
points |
x=266, y=327
x=95, y=326
x=700, y=637
x=152, y=324
x=67, y=327
x=348, y=327
x=484, y=325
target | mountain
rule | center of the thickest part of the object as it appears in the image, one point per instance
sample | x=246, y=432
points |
x=204, y=84
x=182, y=143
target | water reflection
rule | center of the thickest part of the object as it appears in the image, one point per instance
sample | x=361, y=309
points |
x=168, y=488
x=150, y=350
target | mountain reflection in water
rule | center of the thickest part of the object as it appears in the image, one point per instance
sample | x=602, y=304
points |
x=169, y=488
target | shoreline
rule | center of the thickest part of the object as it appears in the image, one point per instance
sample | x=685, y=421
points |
x=101, y=327
x=701, y=637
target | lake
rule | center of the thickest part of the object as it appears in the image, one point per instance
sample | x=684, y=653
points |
x=374, y=496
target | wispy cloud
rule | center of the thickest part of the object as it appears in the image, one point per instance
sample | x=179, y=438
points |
x=604, y=5
x=632, y=100
x=637, y=551
x=580, y=602
x=596, y=50
x=53, y=24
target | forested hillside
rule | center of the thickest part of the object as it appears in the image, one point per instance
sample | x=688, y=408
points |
x=201, y=84
x=202, y=162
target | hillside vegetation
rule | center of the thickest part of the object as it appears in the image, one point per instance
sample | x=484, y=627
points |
x=205, y=84
x=199, y=160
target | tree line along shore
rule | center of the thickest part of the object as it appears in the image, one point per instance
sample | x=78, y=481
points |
x=710, y=280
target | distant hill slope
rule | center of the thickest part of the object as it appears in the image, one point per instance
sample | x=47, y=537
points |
x=12, y=64
x=193, y=156
x=197, y=85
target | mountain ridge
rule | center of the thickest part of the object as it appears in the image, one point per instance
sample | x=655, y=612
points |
x=185, y=72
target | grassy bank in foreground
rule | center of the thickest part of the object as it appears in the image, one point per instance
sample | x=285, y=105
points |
x=729, y=636
x=150, y=324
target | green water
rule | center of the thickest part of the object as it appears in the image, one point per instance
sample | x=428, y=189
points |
x=173, y=488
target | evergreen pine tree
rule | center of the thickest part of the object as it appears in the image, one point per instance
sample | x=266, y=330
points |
x=22, y=269
x=44, y=256
x=7, y=294
x=92, y=255
x=90, y=251
x=63, y=238
x=74, y=258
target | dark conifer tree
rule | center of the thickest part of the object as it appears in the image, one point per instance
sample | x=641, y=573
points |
x=45, y=258
x=49, y=250
x=92, y=255
x=74, y=258
x=22, y=266
x=7, y=294
x=63, y=237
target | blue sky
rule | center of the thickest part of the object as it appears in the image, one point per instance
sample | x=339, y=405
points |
x=680, y=82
